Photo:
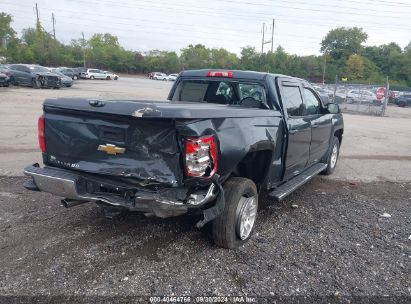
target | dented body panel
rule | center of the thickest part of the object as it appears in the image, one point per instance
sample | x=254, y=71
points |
x=152, y=143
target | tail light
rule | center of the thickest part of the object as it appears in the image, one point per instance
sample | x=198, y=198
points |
x=42, y=142
x=227, y=74
x=200, y=156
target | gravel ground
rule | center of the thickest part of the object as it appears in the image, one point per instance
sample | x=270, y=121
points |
x=334, y=243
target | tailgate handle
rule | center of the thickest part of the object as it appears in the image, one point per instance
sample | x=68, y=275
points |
x=97, y=103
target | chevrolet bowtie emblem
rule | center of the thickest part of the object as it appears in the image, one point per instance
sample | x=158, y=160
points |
x=111, y=149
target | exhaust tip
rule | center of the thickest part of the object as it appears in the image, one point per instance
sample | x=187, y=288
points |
x=68, y=203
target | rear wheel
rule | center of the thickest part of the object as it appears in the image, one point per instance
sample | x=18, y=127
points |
x=108, y=78
x=115, y=78
x=332, y=158
x=75, y=77
x=92, y=77
x=234, y=226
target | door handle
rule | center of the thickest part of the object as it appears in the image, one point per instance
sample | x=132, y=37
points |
x=314, y=125
x=293, y=131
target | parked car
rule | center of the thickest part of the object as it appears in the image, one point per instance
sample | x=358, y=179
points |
x=393, y=97
x=77, y=72
x=151, y=74
x=159, y=76
x=111, y=75
x=33, y=75
x=404, y=100
x=226, y=137
x=325, y=94
x=67, y=72
x=65, y=80
x=172, y=77
x=95, y=74
x=4, y=80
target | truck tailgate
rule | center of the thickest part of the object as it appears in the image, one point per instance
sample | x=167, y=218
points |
x=115, y=145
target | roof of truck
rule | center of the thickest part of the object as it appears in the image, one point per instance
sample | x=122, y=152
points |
x=236, y=74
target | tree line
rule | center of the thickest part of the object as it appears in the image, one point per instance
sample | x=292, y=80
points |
x=343, y=49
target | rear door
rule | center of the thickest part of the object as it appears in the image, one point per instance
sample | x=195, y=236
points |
x=320, y=125
x=101, y=74
x=20, y=74
x=299, y=129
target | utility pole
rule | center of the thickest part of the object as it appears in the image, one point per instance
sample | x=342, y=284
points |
x=386, y=97
x=335, y=87
x=84, y=50
x=53, y=20
x=272, y=36
x=38, y=19
x=268, y=41
x=262, y=43
x=325, y=63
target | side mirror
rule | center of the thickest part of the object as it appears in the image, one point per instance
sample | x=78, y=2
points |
x=333, y=108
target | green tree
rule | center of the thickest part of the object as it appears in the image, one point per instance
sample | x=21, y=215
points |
x=342, y=42
x=249, y=58
x=355, y=67
x=195, y=57
x=8, y=40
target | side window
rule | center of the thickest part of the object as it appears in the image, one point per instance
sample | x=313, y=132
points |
x=293, y=100
x=312, y=103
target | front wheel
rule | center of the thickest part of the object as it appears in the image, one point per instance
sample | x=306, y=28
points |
x=35, y=83
x=332, y=156
x=234, y=226
x=75, y=77
x=91, y=77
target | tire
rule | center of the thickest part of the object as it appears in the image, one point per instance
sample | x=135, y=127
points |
x=331, y=162
x=75, y=77
x=115, y=78
x=35, y=83
x=108, y=78
x=226, y=228
x=91, y=77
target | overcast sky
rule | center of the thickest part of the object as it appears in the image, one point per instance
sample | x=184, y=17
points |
x=143, y=25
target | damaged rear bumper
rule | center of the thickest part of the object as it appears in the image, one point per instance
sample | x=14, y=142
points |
x=77, y=188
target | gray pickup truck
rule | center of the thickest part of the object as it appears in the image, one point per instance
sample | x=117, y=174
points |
x=222, y=139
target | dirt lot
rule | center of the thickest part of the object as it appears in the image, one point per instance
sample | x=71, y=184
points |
x=335, y=243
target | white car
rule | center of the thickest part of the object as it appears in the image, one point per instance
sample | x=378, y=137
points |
x=95, y=74
x=111, y=75
x=357, y=96
x=172, y=77
x=159, y=76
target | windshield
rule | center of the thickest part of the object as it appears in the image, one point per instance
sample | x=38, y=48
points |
x=39, y=69
x=229, y=92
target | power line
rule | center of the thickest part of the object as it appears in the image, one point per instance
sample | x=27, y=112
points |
x=283, y=20
x=217, y=12
x=229, y=1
